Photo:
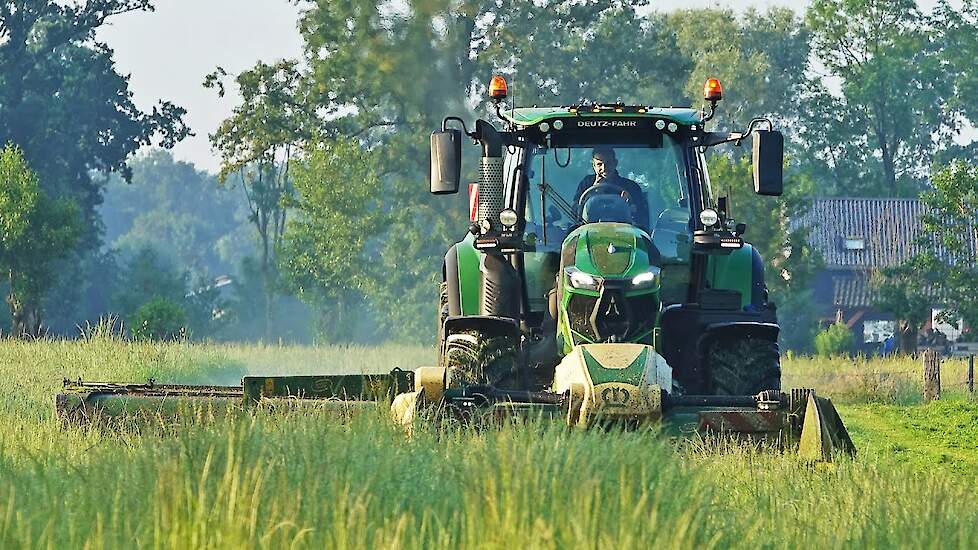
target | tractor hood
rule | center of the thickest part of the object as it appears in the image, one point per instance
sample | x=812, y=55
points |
x=610, y=250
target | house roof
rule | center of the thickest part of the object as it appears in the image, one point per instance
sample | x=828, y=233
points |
x=881, y=232
x=852, y=291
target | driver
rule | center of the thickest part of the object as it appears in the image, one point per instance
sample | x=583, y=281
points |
x=606, y=173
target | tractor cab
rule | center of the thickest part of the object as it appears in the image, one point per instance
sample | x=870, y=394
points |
x=638, y=175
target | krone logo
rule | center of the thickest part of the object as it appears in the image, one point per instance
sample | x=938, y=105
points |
x=615, y=397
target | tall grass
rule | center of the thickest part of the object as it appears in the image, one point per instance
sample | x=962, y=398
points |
x=895, y=379
x=275, y=480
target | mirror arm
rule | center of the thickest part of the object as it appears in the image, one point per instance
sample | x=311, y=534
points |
x=716, y=138
x=444, y=125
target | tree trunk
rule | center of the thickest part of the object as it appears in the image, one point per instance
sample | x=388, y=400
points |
x=908, y=338
x=266, y=286
x=25, y=318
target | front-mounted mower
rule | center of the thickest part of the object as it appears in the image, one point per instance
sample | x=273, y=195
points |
x=601, y=280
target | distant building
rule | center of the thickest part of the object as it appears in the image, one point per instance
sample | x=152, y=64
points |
x=856, y=237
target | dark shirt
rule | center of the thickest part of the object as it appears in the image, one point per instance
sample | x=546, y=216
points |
x=636, y=197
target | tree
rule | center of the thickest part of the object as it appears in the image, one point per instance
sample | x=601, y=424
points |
x=159, y=319
x=35, y=231
x=144, y=276
x=563, y=52
x=907, y=292
x=257, y=144
x=60, y=92
x=894, y=83
x=147, y=277
x=760, y=59
x=64, y=104
x=950, y=239
x=178, y=210
x=329, y=257
x=837, y=339
x=958, y=44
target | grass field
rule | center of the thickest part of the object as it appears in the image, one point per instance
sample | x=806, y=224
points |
x=281, y=481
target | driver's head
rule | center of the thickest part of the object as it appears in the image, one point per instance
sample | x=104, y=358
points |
x=603, y=161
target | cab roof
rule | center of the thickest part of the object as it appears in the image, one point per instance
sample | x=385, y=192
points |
x=528, y=116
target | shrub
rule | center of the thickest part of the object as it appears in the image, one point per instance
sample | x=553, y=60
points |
x=835, y=340
x=159, y=319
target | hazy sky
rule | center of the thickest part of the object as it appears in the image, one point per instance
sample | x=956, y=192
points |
x=168, y=52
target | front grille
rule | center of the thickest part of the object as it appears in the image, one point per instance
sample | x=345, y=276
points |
x=579, y=312
x=626, y=318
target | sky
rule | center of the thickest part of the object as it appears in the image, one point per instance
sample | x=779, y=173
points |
x=167, y=55
x=168, y=52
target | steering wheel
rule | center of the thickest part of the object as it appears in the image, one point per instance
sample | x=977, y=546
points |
x=603, y=189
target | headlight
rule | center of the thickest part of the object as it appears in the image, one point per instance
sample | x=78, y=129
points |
x=709, y=217
x=584, y=281
x=649, y=279
x=508, y=217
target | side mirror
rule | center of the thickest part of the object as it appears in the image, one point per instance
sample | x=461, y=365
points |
x=768, y=146
x=446, y=161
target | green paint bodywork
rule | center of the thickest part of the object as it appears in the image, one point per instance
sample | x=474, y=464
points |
x=372, y=387
x=733, y=272
x=528, y=116
x=88, y=400
x=632, y=374
x=592, y=257
x=469, y=275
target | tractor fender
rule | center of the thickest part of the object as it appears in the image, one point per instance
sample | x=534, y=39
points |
x=478, y=283
x=486, y=325
x=741, y=271
x=449, y=274
x=758, y=290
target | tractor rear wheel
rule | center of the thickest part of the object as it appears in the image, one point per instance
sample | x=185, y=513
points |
x=743, y=365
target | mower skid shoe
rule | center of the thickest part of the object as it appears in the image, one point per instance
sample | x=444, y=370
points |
x=822, y=433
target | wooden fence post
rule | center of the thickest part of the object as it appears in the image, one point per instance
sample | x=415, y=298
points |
x=932, y=375
x=971, y=374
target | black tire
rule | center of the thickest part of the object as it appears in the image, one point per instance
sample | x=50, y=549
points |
x=743, y=365
x=480, y=360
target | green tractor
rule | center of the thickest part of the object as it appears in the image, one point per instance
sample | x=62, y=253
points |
x=601, y=280
x=597, y=224
x=602, y=274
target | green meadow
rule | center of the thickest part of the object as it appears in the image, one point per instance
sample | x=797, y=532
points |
x=274, y=480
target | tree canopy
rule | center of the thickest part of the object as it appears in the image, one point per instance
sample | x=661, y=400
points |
x=35, y=232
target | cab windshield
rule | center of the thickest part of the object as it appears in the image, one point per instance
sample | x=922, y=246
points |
x=637, y=184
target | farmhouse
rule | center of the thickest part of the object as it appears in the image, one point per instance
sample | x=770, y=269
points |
x=857, y=237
